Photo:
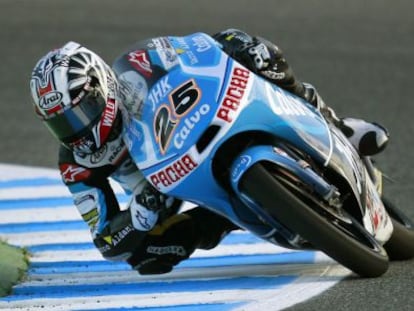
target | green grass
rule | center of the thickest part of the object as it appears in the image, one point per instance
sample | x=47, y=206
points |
x=13, y=265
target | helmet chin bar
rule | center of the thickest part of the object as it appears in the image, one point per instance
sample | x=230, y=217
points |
x=83, y=145
x=87, y=142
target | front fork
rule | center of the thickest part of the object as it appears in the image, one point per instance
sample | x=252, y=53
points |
x=376, y=219
x=374, y=173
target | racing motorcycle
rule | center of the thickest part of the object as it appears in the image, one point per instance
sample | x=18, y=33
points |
x=213, y=133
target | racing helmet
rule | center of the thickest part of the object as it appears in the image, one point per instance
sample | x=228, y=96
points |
x=75, y=93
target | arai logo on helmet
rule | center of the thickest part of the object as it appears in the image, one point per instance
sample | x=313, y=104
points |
x=50, y=100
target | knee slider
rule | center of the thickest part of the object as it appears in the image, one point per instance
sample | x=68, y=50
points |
x=165, y=246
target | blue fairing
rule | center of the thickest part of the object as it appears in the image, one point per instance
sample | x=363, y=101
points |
x=276, y=111
x=207, y=68
x=207, y=88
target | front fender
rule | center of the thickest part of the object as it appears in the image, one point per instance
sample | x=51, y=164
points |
x=266, y=153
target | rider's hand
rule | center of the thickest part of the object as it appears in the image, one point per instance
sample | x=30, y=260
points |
x=157, y=202
x=154, y=200
x=165, y=246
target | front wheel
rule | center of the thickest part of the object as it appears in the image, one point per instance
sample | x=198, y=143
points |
x=342, y=238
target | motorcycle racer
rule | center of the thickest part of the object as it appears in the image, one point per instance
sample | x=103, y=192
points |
x=80, y=98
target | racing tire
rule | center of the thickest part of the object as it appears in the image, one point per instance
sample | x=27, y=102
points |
x=348, y=244
x=401, y=244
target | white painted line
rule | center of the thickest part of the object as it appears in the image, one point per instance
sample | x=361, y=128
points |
x=41, y=192
x=221, y=250
x=47, y=237
x=88, y=278
x=40, y=214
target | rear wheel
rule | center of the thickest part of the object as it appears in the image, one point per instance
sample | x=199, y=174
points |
x=401, y=244
x=337, y=234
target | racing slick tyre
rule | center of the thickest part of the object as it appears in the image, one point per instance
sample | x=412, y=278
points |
x=339, y=236
x=401, y=244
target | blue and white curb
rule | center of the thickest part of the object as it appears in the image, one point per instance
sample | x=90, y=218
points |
x=68, y=273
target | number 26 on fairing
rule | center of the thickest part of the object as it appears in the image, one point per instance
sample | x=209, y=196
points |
x=182, y=100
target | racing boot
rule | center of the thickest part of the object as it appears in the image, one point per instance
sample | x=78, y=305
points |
x=366, y=137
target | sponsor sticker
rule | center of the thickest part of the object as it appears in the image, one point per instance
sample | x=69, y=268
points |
x=143, y=219
x=166, y=52
x=73, y=173
x=140, y=61
x=50, y=100
x=174, y=173
x=240, y=167
x=234, y=94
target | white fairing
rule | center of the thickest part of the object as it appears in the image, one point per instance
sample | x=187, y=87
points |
x=376, y=219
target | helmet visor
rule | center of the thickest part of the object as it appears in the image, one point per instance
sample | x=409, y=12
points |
x=72, y=122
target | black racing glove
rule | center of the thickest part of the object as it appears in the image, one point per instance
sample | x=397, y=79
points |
x=156, y=201
x=152, y=199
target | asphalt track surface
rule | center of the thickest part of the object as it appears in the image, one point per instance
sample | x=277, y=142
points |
x=360, y=55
